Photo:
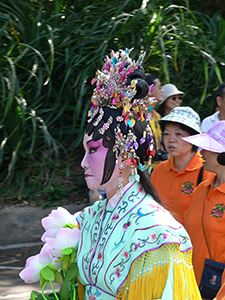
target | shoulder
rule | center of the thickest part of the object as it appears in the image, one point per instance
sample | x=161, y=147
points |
x=157, y=215
x=160, y=170
x=161, y=166
x=209, y=121
x=155, y=226
x=203, y=186
x=195, y=163
x=207, y=175
x=91, y=211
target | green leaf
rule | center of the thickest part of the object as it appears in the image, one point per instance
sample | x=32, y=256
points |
x=70, y=274
x=42, y=281
x=33, y=295
x=67, y=251
x=36, y=296
x=65, y=261
x=47, y=274
x=58, y=278
x=71, y=226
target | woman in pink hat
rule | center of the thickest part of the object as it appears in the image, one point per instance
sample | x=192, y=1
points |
x=205, y=218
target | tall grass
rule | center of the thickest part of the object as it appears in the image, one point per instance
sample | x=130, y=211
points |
x=50, y=51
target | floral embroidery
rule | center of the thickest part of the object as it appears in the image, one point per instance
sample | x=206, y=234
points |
x=218, y=211
x=153, y=236
x=115, y=217
x=92, y=297
x=136, y=246
x=126, y=225
x=99, y=256
x=165, y=236
x=187, y=187
x=117, y=272
x=140, y=190
x=125, y=253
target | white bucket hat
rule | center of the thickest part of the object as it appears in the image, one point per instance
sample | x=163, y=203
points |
x=169, y=89
x=213, y=140
x=183, y=115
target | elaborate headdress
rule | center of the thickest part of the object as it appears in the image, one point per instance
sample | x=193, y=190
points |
x=120, y=85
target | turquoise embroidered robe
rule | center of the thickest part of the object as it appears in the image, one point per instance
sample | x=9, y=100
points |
x=113, y=238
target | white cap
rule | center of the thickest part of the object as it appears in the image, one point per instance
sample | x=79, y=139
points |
x=169, y=89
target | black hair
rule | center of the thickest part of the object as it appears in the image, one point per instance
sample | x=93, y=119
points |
x=190, y=130
x=221, y=158
x=219, y=91
x=150, y=78
x=161, y=109
x=109, y=141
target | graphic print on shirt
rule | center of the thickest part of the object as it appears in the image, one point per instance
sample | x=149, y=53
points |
x=218, y=211
x=187, y=187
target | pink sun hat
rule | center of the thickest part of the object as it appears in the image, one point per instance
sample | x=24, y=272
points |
x=213, y=140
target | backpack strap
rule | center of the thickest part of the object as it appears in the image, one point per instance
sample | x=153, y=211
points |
x=200, y=176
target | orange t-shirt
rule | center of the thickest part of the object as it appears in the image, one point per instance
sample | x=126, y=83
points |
x=175, y=188
x=213, y=221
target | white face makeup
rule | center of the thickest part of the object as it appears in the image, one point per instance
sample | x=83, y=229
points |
x=94, y=163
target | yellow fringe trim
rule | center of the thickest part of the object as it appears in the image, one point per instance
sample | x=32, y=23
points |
x=147, y=286
x=150, y=283
x=148, y=276
x=180, y=286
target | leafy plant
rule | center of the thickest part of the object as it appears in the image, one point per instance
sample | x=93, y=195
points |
x=50, y=51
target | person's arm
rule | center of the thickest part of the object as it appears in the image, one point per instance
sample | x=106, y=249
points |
x=165, y=273
x=221, y=294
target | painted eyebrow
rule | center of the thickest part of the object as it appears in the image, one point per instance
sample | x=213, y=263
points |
x=89, y=141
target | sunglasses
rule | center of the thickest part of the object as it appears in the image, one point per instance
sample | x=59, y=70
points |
x=176, y=97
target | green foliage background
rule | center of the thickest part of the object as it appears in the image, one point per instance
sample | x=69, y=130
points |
x=50, y=51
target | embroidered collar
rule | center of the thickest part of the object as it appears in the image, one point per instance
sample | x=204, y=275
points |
x=114, y=199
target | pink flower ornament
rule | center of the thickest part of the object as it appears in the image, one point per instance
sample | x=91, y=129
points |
x=115, y=217
x=117, y=272
x=153, y=236
x=92, y=297
x=126, y=225
x=125, y=254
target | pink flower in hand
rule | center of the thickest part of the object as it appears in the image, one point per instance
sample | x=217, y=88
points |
x=31, y=272
x=58, y=218
x=65, y=238
x=34, y=264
